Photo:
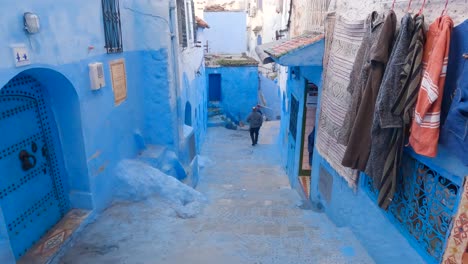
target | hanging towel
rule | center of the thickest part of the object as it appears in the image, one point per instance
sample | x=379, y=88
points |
x=425, y=126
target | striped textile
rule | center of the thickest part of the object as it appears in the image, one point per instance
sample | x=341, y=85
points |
x=410, y=79
x=425, y=127
x=411, y=74
x=335, y=99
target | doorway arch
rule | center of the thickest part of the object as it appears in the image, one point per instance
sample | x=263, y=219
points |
x=188, y=114
x=42, y=155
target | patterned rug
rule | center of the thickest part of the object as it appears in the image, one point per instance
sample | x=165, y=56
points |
x=347, y=36
x=457, y=242
x=329, y=26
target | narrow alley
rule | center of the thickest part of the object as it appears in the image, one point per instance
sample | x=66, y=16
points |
x=128, y=132
x=252, y=216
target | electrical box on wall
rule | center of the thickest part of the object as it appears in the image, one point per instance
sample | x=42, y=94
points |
x=96, y=75
x=31, y=23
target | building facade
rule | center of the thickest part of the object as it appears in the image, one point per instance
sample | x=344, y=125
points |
x=424, y=217
x=82, y=87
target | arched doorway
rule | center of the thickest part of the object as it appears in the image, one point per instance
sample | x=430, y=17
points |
x=188, y=114
x=35, y=187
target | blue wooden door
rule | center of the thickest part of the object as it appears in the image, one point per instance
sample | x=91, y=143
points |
x=214, y=89
x=294, y=110
x=31, y=188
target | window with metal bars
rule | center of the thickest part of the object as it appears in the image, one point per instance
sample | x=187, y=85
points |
x=189, y=21
x=182, y=21
x=194, y=23
x=112, y=26
x=186, y=22
x=293, y=116
x=424, y=204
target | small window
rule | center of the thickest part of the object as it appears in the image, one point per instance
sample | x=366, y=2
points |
x=188, y=114
x=186, y=22
x=293, y=117
x=181, y=18
x=189, y=20
x=194, y=23
x=112, y=26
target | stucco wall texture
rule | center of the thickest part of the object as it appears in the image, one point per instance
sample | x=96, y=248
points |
x=71, y=37
x=239, y=89
x=227, y=33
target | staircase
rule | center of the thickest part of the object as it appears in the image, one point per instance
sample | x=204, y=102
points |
x=217, y=118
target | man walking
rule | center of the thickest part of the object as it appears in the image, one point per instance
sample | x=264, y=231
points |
x=255, y=121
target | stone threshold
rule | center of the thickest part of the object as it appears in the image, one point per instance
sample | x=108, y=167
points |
x=44, y=251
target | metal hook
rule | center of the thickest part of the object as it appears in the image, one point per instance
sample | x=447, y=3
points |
x=422, y=8
x=409, y=6
x=445, y=8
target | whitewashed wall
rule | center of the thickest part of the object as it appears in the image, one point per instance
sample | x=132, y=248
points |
x=267, y=18
x=307, y=15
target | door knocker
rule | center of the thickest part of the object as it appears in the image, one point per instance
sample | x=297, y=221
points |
x=28, y=161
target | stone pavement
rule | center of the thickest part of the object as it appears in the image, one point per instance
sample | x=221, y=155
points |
x=252, y=217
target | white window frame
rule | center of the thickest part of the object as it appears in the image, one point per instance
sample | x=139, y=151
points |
x=189, y=21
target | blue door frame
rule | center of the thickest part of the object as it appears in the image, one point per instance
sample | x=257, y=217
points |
x=33, y=188
x=294, y=110
x=214, y=87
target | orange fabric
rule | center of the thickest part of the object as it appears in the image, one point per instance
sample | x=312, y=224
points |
x=426, y=122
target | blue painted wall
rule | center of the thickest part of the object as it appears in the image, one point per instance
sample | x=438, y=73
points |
x=347, y=208
x=307, y=56
x=296, y=87
x=95, y=133
x=227, y=33
x=193, y=87
x=354, y=209
x=239, y=90
x=272, y=95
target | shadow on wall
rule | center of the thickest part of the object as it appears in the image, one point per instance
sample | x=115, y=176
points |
x=272, y=97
